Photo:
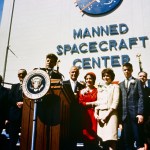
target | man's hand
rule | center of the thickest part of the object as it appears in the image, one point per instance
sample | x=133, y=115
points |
x=19, y=104
x=140, y=119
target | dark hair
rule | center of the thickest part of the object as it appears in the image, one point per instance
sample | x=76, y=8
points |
x=24, y=72
x=143, y=72
x=110, y=72
x=129, y=65
x=92, y=75
x=51, y=55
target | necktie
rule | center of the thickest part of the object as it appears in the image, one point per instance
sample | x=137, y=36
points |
x=127, y=84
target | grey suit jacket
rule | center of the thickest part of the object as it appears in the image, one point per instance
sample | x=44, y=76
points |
x=131, y=101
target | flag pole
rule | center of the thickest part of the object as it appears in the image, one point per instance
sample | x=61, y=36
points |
x=7, y=48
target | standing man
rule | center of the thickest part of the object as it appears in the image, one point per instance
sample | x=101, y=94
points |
x=131, y=108
x=15, y=112
x=48, y=109
x=143, y=77
x=3, y=105
x=73, y=87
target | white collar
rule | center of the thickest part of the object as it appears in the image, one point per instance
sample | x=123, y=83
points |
x=128, y=78
x=73, y=81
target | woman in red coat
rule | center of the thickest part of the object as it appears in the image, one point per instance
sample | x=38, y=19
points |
x=89, y=123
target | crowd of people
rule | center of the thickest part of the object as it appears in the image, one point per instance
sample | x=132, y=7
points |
x=98, y=112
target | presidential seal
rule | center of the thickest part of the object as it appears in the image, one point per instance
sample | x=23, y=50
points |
x=36, y=84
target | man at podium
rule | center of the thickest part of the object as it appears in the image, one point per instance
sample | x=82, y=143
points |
x=49, y=108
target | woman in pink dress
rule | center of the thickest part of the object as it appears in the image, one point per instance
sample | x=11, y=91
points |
x=89, y=123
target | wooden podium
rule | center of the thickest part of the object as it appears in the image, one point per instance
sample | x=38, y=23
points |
x=52, y=125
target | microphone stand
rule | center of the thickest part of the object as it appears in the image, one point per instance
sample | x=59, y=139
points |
x=34, y=125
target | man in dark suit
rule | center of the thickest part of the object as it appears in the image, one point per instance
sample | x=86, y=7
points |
x=131, y=108
x=15, y=112
x=72, y=86
x=143, y=77
x=3, y=105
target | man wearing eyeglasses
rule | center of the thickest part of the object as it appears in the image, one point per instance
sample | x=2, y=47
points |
x=15, y=112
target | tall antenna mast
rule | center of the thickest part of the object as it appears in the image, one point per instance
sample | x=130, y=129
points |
x=7, y=48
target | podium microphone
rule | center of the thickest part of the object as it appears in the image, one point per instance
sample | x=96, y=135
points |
x=58, y=69
x=58, y=65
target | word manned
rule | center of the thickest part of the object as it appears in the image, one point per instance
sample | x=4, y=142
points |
x=101, y=31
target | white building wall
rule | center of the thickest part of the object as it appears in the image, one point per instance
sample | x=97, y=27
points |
x=39, y=26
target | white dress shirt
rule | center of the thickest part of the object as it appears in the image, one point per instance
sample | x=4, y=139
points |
x=73, y=84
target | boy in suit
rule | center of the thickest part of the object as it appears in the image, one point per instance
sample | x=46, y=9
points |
x=131, y=108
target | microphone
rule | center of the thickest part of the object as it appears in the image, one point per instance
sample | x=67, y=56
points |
x=58, y=65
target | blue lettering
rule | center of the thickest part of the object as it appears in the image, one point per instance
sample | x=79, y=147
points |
x=67, y=47
x=86, y=64
x=143, y=40
x=113, y=30
x=92, y=47
x=74, y=49
x=104, y=31
x=125, y=59
x=96, y=62
x=59, y=48
x=132, y=41
x=86, y=33
x=83, y=50
x=123, y=28
x=103, y=48
x=112, y=44
x=114, y=61
x=77, y=61
x=122, y=44
x=77, y=34
x=105, y=58
x=94, y=31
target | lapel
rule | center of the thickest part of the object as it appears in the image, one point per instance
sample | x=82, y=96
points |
x=124, y=87
x=69, y=85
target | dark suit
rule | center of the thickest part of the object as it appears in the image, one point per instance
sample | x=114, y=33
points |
x=146, y=116
x=15, y=114
x=131, y=105
x=146, y=103
x=3, y=106
x=75, y=113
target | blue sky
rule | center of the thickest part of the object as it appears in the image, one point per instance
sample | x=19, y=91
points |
x=1, y=8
